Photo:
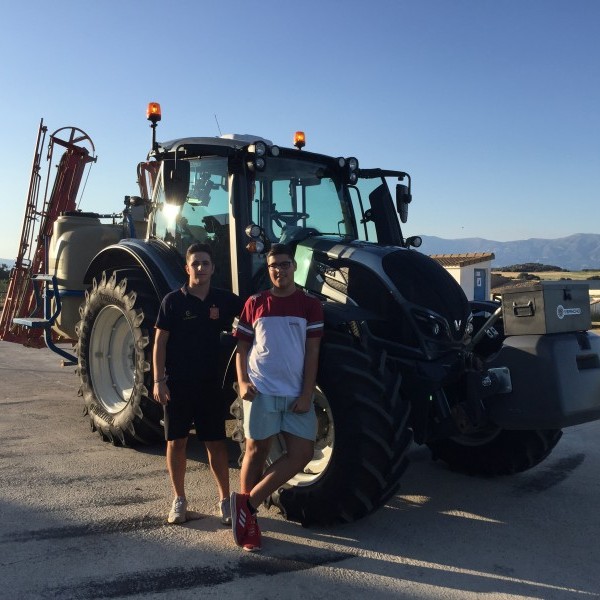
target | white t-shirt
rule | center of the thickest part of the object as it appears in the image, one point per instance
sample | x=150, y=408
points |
x=277, y=328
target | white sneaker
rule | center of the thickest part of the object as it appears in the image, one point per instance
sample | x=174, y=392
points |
x=225, y=511
x=178, y=512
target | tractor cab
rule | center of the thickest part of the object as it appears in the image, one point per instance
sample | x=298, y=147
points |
x=243, y=192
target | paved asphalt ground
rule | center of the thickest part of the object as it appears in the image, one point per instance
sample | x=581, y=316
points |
x=83, y=519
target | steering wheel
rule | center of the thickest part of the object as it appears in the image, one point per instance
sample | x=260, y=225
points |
x=289, y=218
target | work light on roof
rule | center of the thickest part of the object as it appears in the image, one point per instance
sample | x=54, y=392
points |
x=352, y=170
x=341, y=161
x=260, y=149
x=274, y=150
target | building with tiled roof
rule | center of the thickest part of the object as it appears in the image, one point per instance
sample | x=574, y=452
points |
x=462, y=260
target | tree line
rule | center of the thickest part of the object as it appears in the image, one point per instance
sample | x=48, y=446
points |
x=533, y=267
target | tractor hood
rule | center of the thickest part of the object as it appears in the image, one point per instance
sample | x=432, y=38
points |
x=399, y=285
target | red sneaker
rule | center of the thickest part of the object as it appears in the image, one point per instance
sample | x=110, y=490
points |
x=240, y=517
x=252, y=540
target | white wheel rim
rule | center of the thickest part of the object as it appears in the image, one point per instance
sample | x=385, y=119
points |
x=112, y=359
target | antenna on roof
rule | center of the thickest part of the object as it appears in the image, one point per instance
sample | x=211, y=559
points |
x=218, y=126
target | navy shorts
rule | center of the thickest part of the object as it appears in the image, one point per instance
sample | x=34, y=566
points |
x=199, y=405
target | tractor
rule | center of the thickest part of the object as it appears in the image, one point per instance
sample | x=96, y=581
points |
x=405, y=357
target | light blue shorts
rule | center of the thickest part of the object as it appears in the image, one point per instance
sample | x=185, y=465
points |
x=269, y=415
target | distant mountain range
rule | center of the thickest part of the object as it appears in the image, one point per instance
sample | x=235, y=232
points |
x=574, y=252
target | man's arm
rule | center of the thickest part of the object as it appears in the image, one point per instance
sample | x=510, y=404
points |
x=159, y=355
x=247, y=390
x=311, y=365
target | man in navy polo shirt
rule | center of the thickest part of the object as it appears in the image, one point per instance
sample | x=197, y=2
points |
x=186, y=367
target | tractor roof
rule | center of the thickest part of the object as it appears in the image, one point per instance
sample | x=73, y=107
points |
x=229, y=140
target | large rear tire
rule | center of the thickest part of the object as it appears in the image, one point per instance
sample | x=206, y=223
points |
x=496, y=451
x=362, y=440
x=114, y=358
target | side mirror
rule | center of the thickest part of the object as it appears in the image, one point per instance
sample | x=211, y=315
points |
x=403, y=199
x=414, y=241
x=176, y=179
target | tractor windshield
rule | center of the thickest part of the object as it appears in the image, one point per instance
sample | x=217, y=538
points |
x=291, y=199
x=204, y=215
x=295, y=198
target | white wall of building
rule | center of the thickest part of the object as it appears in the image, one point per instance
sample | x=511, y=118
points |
x=465, y=277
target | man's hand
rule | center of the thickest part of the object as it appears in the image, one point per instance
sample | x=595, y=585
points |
x=161, y=393
x=247, y=390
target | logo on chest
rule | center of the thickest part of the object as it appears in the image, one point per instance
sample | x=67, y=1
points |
x=189, y=315
x=213, y=313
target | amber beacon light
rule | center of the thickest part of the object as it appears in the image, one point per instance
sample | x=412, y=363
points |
x=153, y=115
x=299, y=140
x=153, y=112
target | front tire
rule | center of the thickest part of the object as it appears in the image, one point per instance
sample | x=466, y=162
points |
x=114, y=357
x=496, y=451
x=362, y=440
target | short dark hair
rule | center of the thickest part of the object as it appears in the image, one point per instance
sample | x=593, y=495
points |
x=199, y=247
x=281, y=249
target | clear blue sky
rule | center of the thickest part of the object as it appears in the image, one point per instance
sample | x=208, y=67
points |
x=492, y=106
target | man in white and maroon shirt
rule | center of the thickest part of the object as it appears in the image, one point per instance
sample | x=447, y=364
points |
x=279, y=333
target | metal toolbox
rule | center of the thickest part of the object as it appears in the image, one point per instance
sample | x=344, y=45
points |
x=547, y=307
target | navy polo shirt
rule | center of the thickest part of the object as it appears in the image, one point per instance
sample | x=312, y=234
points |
x=194, y=327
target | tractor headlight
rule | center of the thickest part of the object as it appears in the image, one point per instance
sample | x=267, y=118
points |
x=253, y=231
